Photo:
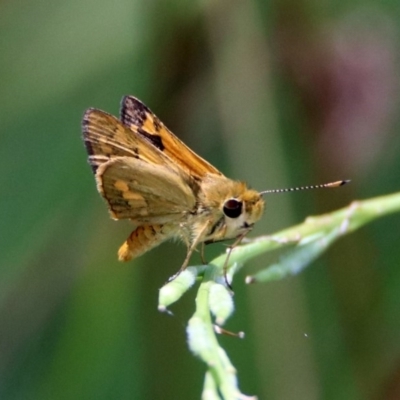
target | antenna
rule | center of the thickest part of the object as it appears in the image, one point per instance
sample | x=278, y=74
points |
x=322, y=186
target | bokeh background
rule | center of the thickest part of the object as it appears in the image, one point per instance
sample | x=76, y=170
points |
x=277, y=93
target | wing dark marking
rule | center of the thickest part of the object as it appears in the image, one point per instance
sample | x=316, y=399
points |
x=155, y=140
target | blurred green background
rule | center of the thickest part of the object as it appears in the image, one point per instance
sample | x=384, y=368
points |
x=278, y=93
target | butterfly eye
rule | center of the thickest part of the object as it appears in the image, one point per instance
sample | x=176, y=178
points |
x=233, y=208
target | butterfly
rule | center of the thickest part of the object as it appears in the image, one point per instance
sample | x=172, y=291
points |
x=147, y=175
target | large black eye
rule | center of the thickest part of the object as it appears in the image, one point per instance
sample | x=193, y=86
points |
x=232, y=208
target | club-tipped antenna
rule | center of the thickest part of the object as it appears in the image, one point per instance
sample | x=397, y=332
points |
x=295, y=189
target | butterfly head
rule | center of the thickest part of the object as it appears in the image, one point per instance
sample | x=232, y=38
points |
x=230, y=207
x=242, y=212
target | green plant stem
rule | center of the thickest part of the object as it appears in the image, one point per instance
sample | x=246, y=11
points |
x=203, y=342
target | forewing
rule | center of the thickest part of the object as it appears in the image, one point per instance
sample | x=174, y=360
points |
x=143, y=192
x=106, y=137
x=139, y=118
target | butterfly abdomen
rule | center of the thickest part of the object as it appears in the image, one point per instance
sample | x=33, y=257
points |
x=143, y=239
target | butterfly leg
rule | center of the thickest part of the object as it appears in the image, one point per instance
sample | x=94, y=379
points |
x=142, y=239
x=231, y=247
x=191, y=248
x=203, y=259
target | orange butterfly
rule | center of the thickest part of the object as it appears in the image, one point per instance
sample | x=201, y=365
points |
x=146, y=174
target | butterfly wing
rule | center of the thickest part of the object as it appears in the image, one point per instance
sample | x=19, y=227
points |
x=143, y=192
x=106, y=137
x=141, y=120
x=136, y=178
